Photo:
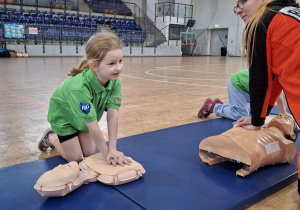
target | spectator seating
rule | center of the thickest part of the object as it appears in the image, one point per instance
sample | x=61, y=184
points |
x=67, y=27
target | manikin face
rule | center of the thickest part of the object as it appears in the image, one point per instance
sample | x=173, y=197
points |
x=110, y=67
x=246, y=8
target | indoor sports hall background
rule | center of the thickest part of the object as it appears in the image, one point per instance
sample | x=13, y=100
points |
x=177, y=53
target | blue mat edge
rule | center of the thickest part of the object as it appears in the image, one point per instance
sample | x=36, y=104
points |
x=267, y=192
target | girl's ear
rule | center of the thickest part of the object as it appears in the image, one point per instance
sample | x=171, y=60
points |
x=94, y=66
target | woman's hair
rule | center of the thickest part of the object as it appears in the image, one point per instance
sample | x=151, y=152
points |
x=96, y=49
x=249, y=33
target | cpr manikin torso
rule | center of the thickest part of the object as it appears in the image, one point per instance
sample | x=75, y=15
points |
x=64, y=179
x=253, y=148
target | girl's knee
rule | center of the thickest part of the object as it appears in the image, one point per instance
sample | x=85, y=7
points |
x=89, y=152
x=74, y=157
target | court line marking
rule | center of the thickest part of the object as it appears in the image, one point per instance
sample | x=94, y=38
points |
x=214, y=64
x=179, y=83
x=23, y=98
x=156, y=75
x=33, y=102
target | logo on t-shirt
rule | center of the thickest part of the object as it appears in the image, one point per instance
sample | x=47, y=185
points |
x=118, y=100
x=84, y=107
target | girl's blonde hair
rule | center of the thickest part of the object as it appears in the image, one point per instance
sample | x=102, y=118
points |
x=249, y=33
x=96, y=49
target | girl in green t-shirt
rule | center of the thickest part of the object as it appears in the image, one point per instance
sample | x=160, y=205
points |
x=78, y=103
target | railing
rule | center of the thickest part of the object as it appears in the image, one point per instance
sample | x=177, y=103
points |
x=155, y=37
x=174, y=32
x=169, y=9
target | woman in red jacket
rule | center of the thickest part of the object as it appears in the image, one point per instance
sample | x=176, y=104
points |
x=272, y=42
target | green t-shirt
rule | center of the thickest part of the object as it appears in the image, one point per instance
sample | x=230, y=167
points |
x=240, y=81
x=81, y=99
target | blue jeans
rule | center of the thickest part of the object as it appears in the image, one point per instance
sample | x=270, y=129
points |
x=239, y=104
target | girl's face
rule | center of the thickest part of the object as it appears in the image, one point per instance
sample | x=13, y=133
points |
x=246, y=8
x=110, y=67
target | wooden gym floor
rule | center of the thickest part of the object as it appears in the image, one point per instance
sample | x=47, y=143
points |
x=158, y=92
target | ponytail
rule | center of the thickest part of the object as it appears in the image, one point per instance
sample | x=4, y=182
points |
x=81, y=67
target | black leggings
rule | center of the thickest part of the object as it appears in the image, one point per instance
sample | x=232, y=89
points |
x=66, y=138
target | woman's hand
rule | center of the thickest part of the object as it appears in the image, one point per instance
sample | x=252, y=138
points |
x=115, y=157
x=242, y=121
x=245, y=122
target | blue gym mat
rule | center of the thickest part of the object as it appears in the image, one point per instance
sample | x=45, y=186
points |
x=175, y=178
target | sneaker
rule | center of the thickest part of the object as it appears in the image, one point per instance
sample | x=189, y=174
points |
x=205, y=109
x=44, y=142
x=215, y=101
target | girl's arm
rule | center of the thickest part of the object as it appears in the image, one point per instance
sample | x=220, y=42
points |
x=114, y=157
x=112, y=126
x=97, y=137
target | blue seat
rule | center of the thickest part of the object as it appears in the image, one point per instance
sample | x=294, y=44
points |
x=72, y=36
x=46, y=20
x=40, y=36
x=88, y=26
x=17, y=12
x=56, y=35
x=125, y=40
x=94, y=26
x=49, y=35
x=86, y=36
x=81, y=25
x=61, y=20
x=33, y=37
x=1, y=30
x=69, y=18
x=68, y=25
x=79, y=37
x=131, y=40
x=113, y=24
x=101, y=21
x=5, y=20
x=65, y=36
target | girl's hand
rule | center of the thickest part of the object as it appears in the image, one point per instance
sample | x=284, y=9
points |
x=115, y=157
x=245, y=122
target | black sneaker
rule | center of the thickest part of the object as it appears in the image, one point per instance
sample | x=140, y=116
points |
x=44, y=142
